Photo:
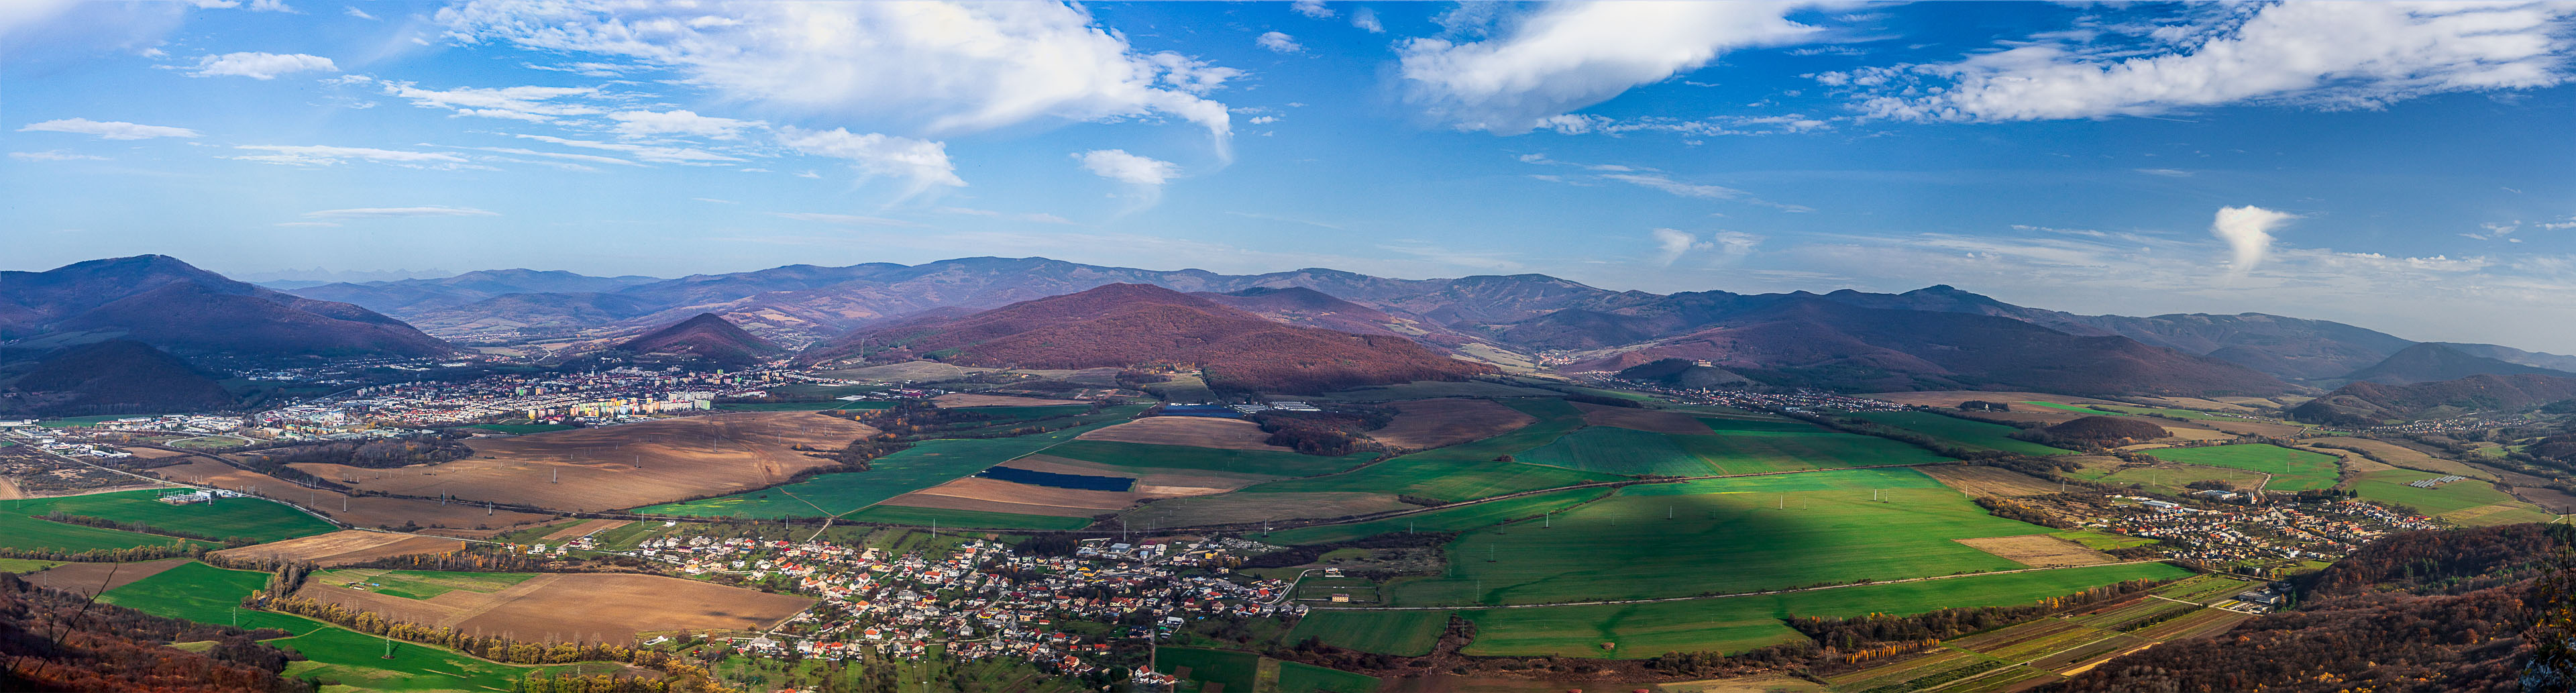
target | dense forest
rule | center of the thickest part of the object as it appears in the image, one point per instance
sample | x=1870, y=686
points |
x=2468, y=609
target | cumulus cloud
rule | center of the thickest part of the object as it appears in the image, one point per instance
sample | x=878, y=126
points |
x=1672, y=244
x=921, y=163
x=2248, y=233
x=1311, y=8
x=1118, y=165
x=647, y=123
x=1278, y=42
x=937, y=66
x=399, y=212
x=1568, y=56
x=261, y=66
x=2332, y=55
x=1365, y=19
x=109, y=129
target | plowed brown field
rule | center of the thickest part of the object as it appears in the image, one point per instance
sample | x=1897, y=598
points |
x=623, y=466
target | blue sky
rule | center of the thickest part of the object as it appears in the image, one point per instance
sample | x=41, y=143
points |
x=2399, y=167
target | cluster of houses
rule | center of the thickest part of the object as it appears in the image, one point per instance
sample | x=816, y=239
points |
x=2279, y=531
x=986, y=599
x=1798, y=401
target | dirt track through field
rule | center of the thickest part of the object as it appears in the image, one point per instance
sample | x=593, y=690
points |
x=1193, y=431
x=1429, y=423
x=623, y=466
x=344, y=547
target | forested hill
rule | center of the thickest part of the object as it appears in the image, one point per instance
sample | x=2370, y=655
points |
x=2463, y=610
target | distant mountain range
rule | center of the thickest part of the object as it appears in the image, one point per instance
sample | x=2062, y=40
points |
x=188, y=311
x=801, y=304
x=1122, y=325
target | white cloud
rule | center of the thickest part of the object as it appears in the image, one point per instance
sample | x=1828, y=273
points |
x=1311, y=8
x=2166, y=172
x=1263, y=120
x=921, y=163
x=260, y=66
x=108, y=130
x=940, y=67
x=2332, y=55
x=846, y=219
x=1118, y=165
x=1278, y=42
x=1705, y=192
x=324, y=155
x=2248, y=233
x=558, y=155
x=1366, y=20
x=1565, y=57
x=668, y=155
x=1671, y=244
x=645, y=123
x=530, y=103
x=54, y=155
x=399, y=212
x=353, y=11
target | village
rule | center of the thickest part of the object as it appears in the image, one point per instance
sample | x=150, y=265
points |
x=979, y=598
x=2225, y=535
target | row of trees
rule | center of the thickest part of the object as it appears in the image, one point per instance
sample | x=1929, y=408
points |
x=66, y=642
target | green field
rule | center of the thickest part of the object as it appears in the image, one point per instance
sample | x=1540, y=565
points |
x=2074, y=408
x=1465, y=471
x=1622, y=451
x=1406, y=633
x=1235, y=670
x=19, y=531
x=1973, y=434
x=2291, y=470
x=941, y=517
x=1745, y=446
x=2171, y=480
x=2166, y=411
x=247, y=518
x=2467, y=501
x=1307, y=678
x=25, y=565
x=418, y=584
x=927, y=463
x=68, y=422
x=1660, y=540
x=1268, y=462
x=211, y=595
x=1443, y=520
x=1428, y=389
x=1736, y=624
x=208, y=443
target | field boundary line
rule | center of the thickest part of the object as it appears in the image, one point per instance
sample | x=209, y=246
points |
x=1658, y=600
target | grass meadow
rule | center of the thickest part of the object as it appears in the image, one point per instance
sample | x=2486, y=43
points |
x=1974, y=434
x=248, y=518
x=2291, y=470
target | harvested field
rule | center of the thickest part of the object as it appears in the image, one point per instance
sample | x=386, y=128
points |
x=585, y=528
x=1235, y=508
x=597, y=607
x=2243, y=427
x=1952, y=398
x=621, y=466
x=1989, y=481
x=969, y=399
x=2402, y=456
x=1149, y=481
x=92, y=578
x=2039, y=551
x=1652, y=420
x=1429, y=423
x=1193, y=431
x=2534, y=490
x=2192, y=431
x=1084, y=503
x=454, y=519
x=344, y=548
x=153, y=453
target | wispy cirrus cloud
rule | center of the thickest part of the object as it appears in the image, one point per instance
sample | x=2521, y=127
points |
x=109, y=129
